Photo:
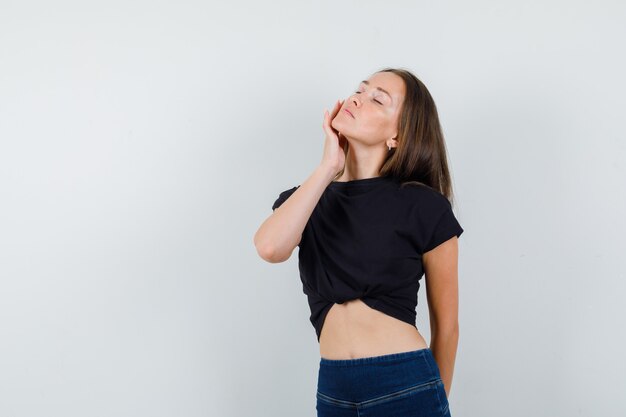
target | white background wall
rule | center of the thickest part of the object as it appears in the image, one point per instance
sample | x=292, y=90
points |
x=142, y=144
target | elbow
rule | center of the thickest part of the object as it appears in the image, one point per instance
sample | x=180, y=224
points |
x=262, y=249
x=266, y=253
x=269, y=254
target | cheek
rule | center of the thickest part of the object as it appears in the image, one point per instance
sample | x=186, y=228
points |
x=378, y=122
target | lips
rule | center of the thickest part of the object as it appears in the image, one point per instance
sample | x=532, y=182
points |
x=348, y=111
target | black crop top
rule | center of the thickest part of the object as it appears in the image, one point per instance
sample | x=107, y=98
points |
x=365, y=239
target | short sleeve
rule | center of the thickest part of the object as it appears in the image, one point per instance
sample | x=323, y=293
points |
x=283, y=196
x=445, y=228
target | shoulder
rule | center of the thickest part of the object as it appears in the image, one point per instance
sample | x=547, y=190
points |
x=431, y=215
x=423, y=197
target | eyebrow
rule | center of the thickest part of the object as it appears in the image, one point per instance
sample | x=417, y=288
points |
x=378, y=88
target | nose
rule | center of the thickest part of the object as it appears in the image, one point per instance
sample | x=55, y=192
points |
x=355, y=100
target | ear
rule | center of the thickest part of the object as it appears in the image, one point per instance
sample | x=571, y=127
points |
x=392, y=142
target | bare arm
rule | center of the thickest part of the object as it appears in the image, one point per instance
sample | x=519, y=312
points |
x=441, y=268
x=281, y=232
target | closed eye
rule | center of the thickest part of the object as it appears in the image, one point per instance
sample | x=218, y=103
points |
x=358, y=92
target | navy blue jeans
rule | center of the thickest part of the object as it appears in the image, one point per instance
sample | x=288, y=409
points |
x=395, y=385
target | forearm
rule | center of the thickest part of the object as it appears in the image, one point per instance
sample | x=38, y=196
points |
x=280, y=233
x=444, y=346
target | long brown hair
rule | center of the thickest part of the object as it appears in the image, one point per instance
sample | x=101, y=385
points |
x=420, y=157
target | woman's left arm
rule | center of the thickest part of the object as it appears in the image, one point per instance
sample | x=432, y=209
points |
x=442, y=293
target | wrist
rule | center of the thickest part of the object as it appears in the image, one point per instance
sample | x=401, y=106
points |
x=326, y=172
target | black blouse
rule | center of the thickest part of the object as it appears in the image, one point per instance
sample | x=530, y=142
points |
x=365, y=239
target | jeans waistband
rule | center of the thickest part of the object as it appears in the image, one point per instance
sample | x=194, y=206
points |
x=363, y=378
x=392, y=357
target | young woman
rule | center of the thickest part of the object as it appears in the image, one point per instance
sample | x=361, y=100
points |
x=370, y=221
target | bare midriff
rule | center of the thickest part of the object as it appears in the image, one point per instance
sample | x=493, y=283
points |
x=355, y=330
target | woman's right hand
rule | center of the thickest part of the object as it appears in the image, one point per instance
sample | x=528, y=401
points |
x=333, y=158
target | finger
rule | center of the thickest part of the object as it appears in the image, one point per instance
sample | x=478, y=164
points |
x=326, y=121
x=331, y=115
